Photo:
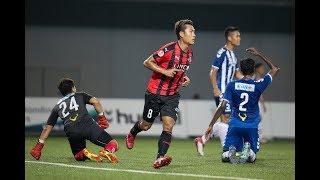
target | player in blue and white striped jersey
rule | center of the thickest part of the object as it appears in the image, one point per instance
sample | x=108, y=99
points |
x=243, y=95
x=224, y=69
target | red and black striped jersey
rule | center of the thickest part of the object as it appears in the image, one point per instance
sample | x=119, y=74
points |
x=169, y=56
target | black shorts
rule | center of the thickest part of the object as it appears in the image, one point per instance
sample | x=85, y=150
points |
x=165, y=105
x=79, y=132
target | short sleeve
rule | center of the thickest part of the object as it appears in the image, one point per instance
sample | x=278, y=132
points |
x=218, y=60
x=86, y=97
x=52, y=120
x=263, y=83
x=161, y=55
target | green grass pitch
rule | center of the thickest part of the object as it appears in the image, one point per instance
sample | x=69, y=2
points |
x=275, y=161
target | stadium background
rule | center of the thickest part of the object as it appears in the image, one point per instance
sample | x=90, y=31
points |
x=101, y=44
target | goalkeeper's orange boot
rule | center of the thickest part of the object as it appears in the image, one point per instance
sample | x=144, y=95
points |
x=108, y=155
x=91, y=156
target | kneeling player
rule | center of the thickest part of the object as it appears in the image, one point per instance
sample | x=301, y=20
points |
x=243, y=96
x=79, y=125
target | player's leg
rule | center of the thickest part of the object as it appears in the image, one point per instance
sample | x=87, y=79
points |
x=251, y=137
x=164, y=142
x=150, y=112
x=169, y=115
x=233, y=143
x=98, y=136
x=222, y=132
x=201, y=140
x=79, y=150
x=223, y=127
x=215, y=126
x=219, y=129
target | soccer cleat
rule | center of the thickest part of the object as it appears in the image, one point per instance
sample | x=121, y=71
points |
x=245, y=153
x=108, y=155
x=162, y=161
x=233, y=155
x=130, y=141
x=91, y=156
x=199, y=145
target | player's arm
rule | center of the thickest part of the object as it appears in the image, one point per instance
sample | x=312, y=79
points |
x=97, y=105
x=185, y=81
x=213, y=80
x=216, y=65
x=45, y=133
x=217, y=114
x=273, y=69
x=227, y=98
x=102, y=120
x=151, y=64
x=36, y=150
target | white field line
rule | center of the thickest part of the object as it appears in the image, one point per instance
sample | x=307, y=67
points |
x=138, y=171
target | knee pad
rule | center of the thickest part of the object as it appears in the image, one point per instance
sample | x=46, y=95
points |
x=112, y=146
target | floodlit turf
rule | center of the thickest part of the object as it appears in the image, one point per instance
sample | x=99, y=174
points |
x=275, y=161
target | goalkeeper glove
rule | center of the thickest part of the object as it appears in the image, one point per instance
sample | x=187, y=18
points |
x=36, y=150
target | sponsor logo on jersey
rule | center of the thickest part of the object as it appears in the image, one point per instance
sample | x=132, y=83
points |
x=244, y=87
x=183, y=67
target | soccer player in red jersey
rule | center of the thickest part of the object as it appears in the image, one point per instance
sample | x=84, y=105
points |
x=169, y=65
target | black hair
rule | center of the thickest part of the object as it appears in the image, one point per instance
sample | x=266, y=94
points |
x=258, y=65
x=247, y=66
x=229, y=30
x=65, y=86
x=181, y=26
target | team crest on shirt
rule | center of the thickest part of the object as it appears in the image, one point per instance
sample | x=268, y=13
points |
x=160, y=53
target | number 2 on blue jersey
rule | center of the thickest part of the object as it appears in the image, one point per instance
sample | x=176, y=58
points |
x=244, y=96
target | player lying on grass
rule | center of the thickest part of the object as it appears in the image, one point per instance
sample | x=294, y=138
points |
x=79, y=126
x=243, y=96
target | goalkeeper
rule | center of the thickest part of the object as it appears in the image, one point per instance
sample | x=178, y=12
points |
x=79, y=126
